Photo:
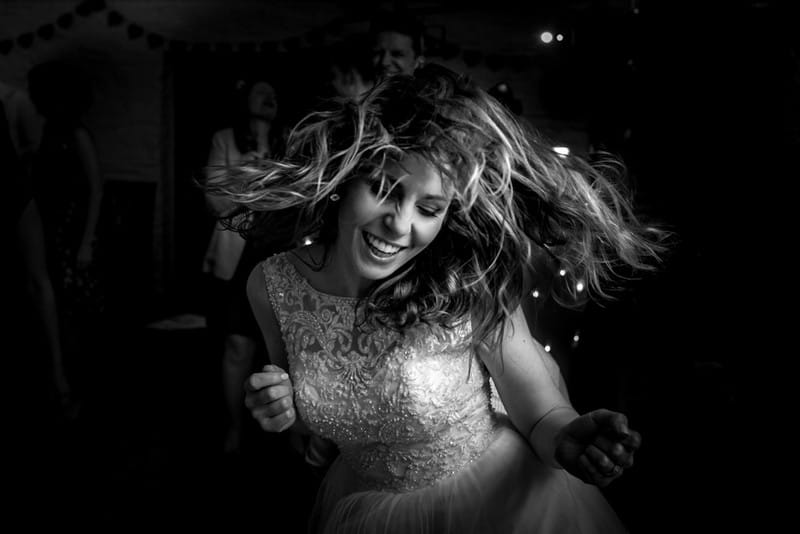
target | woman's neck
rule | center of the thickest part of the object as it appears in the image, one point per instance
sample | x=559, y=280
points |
x=329, y=274
x=260, y=130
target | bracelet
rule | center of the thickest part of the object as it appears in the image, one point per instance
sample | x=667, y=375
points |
x=548, y=412
x=542, y=441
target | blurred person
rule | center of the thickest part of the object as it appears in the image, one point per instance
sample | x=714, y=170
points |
x=397, y=43
x=38, y=289
x=68, y=188
x=255, y=133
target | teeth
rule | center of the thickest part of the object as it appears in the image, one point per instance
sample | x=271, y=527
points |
x=381, y=245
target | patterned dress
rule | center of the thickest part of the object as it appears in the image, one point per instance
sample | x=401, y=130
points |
x=423, y=447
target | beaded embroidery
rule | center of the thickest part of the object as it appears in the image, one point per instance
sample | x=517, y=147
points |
x=406, y=410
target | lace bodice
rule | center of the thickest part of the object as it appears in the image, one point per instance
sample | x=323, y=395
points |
x=406, y=410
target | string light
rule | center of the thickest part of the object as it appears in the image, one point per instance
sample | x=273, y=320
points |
x=562, y=272
x=546, y=37
x=547, y=348
x=579, y=286
x=562, y=151
x=535, y=293
x=576, y=338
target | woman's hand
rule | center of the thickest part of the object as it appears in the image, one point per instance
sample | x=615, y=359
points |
x=270, y=398
x=597, y=447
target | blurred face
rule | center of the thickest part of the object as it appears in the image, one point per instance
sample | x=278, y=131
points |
x=262, y=102
x=382, y=230
x=393, y=53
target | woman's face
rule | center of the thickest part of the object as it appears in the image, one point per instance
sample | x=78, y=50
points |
x=378, y=233
x=262, y=102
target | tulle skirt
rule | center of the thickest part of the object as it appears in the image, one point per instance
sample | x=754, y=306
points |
x=506, y=490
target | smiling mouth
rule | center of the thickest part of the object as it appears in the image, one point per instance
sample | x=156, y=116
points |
x=380, y=248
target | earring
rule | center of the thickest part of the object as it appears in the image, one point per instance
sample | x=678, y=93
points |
x=334, y=197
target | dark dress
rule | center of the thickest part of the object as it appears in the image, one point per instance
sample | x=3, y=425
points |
x=61, y=190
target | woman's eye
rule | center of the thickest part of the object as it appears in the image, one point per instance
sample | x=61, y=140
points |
x=429, y=211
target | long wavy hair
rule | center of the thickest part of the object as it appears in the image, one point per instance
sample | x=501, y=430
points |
x=516, y=202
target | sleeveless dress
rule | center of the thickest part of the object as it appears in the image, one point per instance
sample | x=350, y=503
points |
x=423, y=449
x=61, y=190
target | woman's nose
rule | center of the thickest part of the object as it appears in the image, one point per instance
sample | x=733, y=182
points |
x=399, y=220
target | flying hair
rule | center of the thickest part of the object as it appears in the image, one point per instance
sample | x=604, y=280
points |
x=516, y=202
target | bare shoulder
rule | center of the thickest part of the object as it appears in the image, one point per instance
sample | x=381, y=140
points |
x=256, y=283
x=257, y=294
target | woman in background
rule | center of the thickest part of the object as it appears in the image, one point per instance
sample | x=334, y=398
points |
x=68, y=189
x=255, y=134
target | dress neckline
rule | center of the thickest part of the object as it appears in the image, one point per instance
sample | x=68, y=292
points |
x=295, y=273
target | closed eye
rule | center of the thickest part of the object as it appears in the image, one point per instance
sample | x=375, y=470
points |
x=430, y=211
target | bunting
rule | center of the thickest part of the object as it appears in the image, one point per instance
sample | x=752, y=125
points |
x=436, y=41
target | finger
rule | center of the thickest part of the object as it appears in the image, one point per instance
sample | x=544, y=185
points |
x=633, y=441
x=271, y=412
x=615, y=450
x=262, y=397
x=289, y=416
x=601, y=462
x=276, y=423
x=612, y=423
x=591, y=474
x=254, y=403
x=257, y=381
x=273, y=393
x=276, y=413
x=600, y=421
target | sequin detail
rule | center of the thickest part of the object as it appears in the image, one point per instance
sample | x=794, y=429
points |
x=406, y=410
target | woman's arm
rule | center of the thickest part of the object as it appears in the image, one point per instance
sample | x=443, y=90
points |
x=30, y=236
x=269, y=394
x=530, y=387
x=91, y=169
x=595, y=447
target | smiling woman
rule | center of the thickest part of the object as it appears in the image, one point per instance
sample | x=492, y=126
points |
x=384, y=223
x=392, y=334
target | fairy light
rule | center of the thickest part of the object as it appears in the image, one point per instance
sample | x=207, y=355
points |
x=547, y=348
x=535, y=293
x=559, y=37
x=546, y=37
x=579, y=286
x=307, y=241
x=562, y=151
x=562, y=272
